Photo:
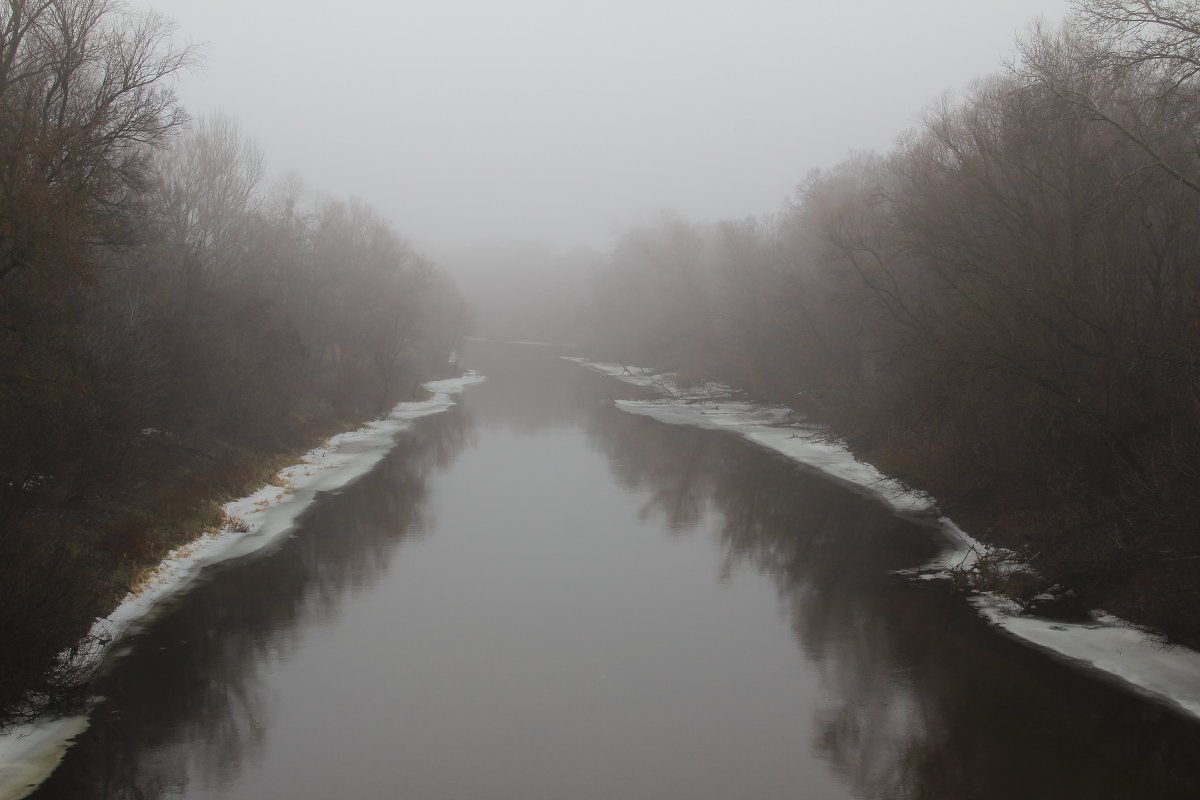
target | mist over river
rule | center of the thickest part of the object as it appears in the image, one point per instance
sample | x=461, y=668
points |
x=536, y=595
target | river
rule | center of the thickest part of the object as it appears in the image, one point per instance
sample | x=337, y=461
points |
x=536, y=595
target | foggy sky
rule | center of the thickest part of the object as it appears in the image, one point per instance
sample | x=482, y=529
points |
x=566, y=121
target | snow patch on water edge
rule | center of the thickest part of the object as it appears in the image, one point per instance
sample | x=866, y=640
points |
x=29, y=753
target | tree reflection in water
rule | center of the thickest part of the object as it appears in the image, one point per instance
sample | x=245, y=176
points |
x=528, y=388
x=925, y=700
x=189, y=712
x=920, y=698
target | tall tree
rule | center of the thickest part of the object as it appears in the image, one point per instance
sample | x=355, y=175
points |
x=85, y=98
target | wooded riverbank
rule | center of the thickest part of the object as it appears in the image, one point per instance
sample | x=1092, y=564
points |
x=174, y=326
x=1001, y=312
x=536, y=573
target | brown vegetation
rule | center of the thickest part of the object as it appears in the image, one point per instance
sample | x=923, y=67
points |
x=1002, y=311
x=169, y=328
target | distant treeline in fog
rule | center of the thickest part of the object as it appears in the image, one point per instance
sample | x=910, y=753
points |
x=1003, y=311
x=171, y=322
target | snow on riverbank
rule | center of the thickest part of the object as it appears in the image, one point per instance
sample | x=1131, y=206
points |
x=30, y=753
x=711, y=406
x=1170, y=674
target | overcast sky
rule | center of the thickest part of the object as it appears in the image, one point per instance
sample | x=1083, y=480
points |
x=566, y=121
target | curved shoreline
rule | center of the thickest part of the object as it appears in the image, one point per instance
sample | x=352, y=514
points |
x=1169, y=674
x=30, y=753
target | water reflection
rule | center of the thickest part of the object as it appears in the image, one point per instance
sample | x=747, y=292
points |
x=548, y=643
x=193, y=700
x=924, y=699
x=529, y=389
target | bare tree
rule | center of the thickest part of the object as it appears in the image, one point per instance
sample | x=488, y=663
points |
x=210, y=184
x=85, y=96
x=1163, y=35
x=1131, y=65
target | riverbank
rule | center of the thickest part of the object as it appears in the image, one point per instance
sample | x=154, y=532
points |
x=254, y=523
x=1131, y=654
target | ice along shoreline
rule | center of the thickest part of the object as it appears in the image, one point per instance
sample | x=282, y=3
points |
x=1169, y=674
x=29, y=753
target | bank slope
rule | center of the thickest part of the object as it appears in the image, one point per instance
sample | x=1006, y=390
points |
x=1134, y=656
x=29, y=753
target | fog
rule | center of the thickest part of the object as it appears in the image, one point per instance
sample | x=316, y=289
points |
x=979, y=279
x=469, y=122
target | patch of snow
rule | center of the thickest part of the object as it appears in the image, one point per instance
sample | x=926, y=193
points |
x=962, y=551
x=29, y=753
x=767, y=426
x=634, y=375
x=1170, y=674
x=1167, y=673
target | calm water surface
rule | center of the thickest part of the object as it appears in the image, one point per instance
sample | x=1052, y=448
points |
x=538, y=596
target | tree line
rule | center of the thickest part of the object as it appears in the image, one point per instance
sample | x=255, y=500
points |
x=173, y=325
x=1004, y=310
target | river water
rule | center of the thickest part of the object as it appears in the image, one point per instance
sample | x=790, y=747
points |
x=536, y=595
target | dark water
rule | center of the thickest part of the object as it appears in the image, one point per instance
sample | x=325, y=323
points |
x=538, y=596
